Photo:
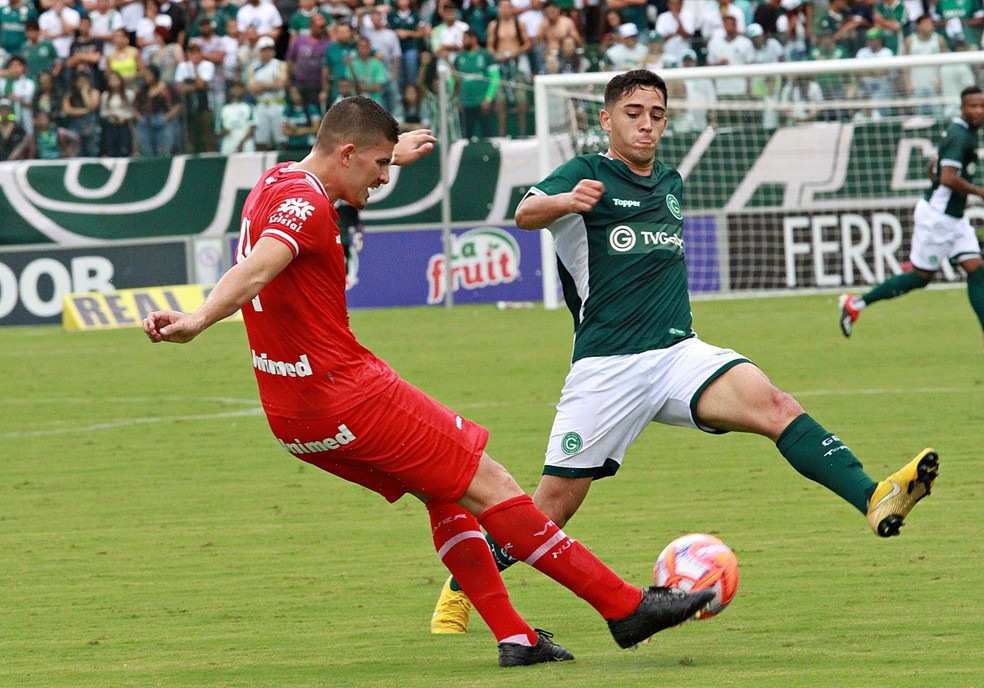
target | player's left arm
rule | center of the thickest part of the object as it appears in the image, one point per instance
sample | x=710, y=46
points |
x=413, y=145
x=236, y=287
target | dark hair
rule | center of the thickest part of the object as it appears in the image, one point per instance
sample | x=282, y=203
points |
x=625, y=84
x=357, y=120
x=970, y=91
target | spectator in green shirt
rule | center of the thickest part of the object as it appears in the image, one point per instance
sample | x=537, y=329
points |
x=476, y=74
x=13, y=21
x=892, y=17
x=832, y=83
x=337, y=56
x=368, y=72
x=39, y=54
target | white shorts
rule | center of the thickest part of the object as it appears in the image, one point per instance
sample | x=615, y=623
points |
x=608, y=401
x=937, y=237
x=269, y=124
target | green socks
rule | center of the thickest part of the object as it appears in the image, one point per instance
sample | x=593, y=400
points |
x=975, y=292
x=897, y=285
x=821, y=456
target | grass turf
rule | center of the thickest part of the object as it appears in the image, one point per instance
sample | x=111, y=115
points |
x=153, y=534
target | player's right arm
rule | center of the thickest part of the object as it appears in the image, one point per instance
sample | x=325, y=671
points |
x=238, y=286
x=537, y=211
x=950, y=178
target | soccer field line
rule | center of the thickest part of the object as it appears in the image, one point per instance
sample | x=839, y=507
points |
x=130, y=400
x=883, y=390
x=128, y=422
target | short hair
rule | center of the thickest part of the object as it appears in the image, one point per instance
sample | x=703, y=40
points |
x=357, y=120
x=625, y=84
x=970, y=91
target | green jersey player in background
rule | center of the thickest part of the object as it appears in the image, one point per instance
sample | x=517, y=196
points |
x=617, y=223
x=941, y=231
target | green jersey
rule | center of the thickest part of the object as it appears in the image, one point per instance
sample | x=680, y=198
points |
x=48, y=145
x=371, y=71
x=479, y=75
x=39, y=57
x=335, y=56
x=964, y=11
x=300, y=22
x=958, y=148
x=621, y=264
x=895, y=11
x=829, y=83
x=12, y=23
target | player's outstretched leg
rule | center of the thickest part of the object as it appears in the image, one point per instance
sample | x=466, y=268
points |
x=659, y=609
x=545, y=650
x=633, y=614
x=898, y=493
x=848, y=313
x=452, y=610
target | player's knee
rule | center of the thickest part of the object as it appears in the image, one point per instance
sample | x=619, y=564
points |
x=925, y=276
x=784, y=407
x=492, y=484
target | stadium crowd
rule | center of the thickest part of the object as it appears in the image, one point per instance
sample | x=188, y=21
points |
x=160, y=77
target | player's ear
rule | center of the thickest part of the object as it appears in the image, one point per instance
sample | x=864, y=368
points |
x=345, y=153
x=606, y=120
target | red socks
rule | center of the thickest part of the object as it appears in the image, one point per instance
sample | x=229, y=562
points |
x=525, y=533
x=461, y=545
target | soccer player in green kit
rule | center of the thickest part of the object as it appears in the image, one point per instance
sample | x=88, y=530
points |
x=617, y=222
x=941, y=231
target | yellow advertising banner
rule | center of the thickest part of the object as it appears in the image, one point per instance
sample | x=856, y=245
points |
x=128, y=307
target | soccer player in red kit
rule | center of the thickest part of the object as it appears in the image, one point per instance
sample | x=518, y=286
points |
x=329, y=401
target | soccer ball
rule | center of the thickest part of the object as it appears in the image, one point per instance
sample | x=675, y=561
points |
x=696, y=562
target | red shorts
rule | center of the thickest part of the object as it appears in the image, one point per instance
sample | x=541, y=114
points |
x=398, y=441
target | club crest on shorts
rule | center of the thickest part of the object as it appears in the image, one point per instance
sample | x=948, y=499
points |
x=571, y=443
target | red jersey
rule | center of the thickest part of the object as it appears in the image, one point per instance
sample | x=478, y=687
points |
x=308, y=363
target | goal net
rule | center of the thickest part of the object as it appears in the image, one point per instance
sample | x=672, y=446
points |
x=807, y=182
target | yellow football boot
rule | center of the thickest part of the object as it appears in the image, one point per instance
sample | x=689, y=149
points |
x=898, y=493
x=451, y=612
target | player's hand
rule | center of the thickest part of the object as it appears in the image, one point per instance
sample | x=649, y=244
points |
x=412, y=146
x=585, y=196
x=169, y=326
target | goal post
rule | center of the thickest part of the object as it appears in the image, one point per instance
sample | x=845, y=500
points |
x=806, y=182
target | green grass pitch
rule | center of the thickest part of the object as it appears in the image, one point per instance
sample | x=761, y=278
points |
x=153, y=534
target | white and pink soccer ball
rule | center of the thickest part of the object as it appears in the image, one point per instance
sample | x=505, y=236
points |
x=697, y=562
